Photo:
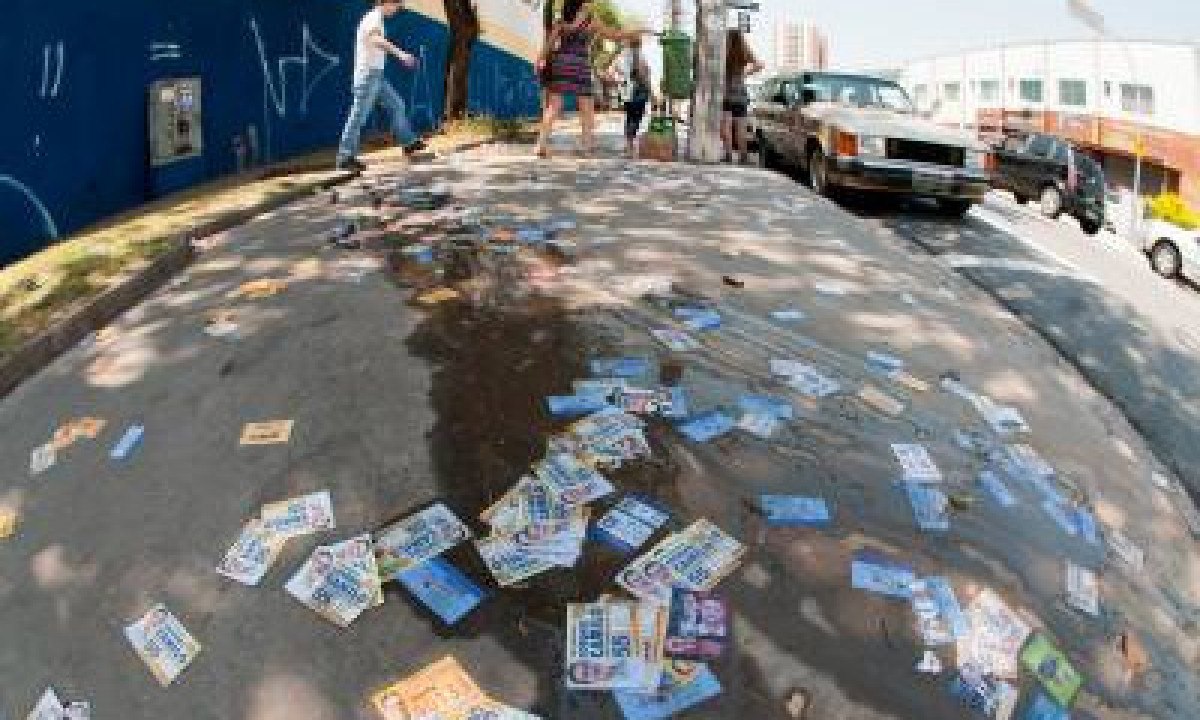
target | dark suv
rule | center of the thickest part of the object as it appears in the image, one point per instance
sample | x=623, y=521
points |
x=1060, y=176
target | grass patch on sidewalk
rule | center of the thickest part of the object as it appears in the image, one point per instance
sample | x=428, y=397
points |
x=46, y=287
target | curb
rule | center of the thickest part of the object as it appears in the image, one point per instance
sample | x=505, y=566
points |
x=38, y=352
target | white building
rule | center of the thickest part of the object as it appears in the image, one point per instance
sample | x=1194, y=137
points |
x=799, y=46
x=1114, y=96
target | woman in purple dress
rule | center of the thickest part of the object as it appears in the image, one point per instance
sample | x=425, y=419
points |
x=565, y=65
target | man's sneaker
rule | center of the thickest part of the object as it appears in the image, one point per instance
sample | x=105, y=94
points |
x=352, y=164
x=416, y=147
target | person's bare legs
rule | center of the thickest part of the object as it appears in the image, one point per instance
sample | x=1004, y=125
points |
x=550, y=112
x=739, y=138
x=587, y=117
x=727, y=133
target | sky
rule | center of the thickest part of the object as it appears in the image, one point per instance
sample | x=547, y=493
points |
x=882, y=33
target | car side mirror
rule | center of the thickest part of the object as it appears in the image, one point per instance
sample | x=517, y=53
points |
x=807, y=96
x=779, y=99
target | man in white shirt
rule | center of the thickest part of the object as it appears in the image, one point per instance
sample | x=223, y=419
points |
x=371, y=48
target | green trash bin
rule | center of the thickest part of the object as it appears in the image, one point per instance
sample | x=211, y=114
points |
x=677, y=66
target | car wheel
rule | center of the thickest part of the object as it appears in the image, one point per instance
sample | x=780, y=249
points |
x=954, y=208
x=1051, y=202
x=818, y=174
x=1165, y=260
x=1091, y=227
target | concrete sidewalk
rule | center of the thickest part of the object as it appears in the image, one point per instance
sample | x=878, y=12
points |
x=397, y=404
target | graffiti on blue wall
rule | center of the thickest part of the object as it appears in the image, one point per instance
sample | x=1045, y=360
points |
x=275, y=83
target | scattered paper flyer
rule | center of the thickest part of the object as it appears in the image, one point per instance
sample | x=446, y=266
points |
x=439, y=295
x=559, y=542
x=759, y=424
x=78, y=428
x=940, y=619
x=767, y=404
x=1053, y=670
x=604, y=388
x=630, y=523
x=531, y=500
x=1061, y=516
x=1003, y=420
x=918, y=466
x=258, y=289
x=442, y=588
x=788, y=315
x=794, y=511
x=417, y=538
x=994, y=637
x=252, y=554
x=697, y=558
x=699, y=319
x=440, y=690
x=163, y=643
x=1083, y=591
x=881, y=401
x=8, y=523
x=929, y=664
x=614, y=645
x=129, y=441
x=267, y=433
x=337, y=590
x=50, y=707
x=42, y=458
x=572, y=480
x=622, y=367
x=675, y=340
x=507, y=561
x=996, y=488
x=983, y=692
x=1126, y=549
x=884, y=364
x=574, y=405
x=697, y=625
x=300, y=515
x=931, y=507
x=871, y=570
x=684, y=685
x=1022, y=462
x=706, y=426
x=1043, y=708
x=805, y=378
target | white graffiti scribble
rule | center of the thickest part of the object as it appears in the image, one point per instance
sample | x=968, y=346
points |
x=277, y=92
x=164, y=51
x=422, y=79
x=52, y=69
x=47, y=220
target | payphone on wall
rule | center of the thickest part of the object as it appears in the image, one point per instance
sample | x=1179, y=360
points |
x=173, y=120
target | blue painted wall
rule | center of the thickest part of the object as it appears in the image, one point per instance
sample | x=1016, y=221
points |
x=276, y=80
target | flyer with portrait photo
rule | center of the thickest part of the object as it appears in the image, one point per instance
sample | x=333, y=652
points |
x=614, y=645
x=163, y=643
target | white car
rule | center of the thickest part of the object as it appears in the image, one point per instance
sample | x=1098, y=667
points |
x=1173, y=251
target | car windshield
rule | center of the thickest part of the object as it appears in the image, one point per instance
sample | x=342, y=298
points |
x=859, y=91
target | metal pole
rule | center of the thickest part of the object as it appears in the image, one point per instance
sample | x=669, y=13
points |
x=1136, y=215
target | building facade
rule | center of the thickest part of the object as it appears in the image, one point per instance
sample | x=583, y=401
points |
x=799, y=46
x=1116, y=98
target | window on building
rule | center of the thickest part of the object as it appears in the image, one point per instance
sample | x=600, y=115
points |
x=989, y=91
x=1107, y=89
x=1072, y=92
x=921, y=95
x=1137, y=99
x=1031, y=91
x=951, y=92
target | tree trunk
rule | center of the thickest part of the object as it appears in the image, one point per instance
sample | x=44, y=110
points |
x=704, y=136
x=463, y=22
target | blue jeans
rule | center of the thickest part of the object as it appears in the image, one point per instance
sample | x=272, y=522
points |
x=371, y=89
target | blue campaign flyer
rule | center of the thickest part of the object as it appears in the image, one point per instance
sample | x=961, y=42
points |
x=1043, y=708
x=794, y=511
x=625, y=367
x=699, y=318
x=769, y=404
x=706, y=426
x=930, y=507
x=574, y=405
x=685, y=685
x=870, y=570
x=442, y=588
x=997, y=489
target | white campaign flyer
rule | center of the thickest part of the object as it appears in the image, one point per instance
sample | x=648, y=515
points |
x=418, y=538
x=300, y=516
x=918, y=466
x=332, y=587
x=614, y=645
x=252, y=554
x=163, y=643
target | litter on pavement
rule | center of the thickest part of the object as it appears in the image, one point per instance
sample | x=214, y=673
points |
x=339, y=582
x=917, y=465
x=267, y=433
x=50, y=707
x=707, y=426
x=128, y=443
x=684, y=685
x=1050, y=666
x=871, y=570
x=676, y=340
x=252, y=554
x=697, y=558
x=441, y=690
x=994, y=636
x=940, y=619
x=417, y=538
x=42, y=458
x=614, y=645
x=630, y=523
x=8, y=523
x=697, y=625
x=300, y=515
x=794, y=511
x=931, y=507
x=442, y=588
x=1083, y=591
x=163, y=644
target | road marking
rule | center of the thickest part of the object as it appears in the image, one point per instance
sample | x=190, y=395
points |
x=959, y=261
x=989, y=217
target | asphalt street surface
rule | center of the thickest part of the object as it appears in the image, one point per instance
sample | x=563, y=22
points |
x=397, y=404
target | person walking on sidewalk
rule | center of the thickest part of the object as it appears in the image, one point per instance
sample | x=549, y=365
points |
x=636, y=92
x=740, y=62
x=566, y=61
x=371, y=48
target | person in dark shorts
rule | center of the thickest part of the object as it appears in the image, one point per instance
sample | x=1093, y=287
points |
x=566, y=66
x=637, y=93
x=740, y=63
